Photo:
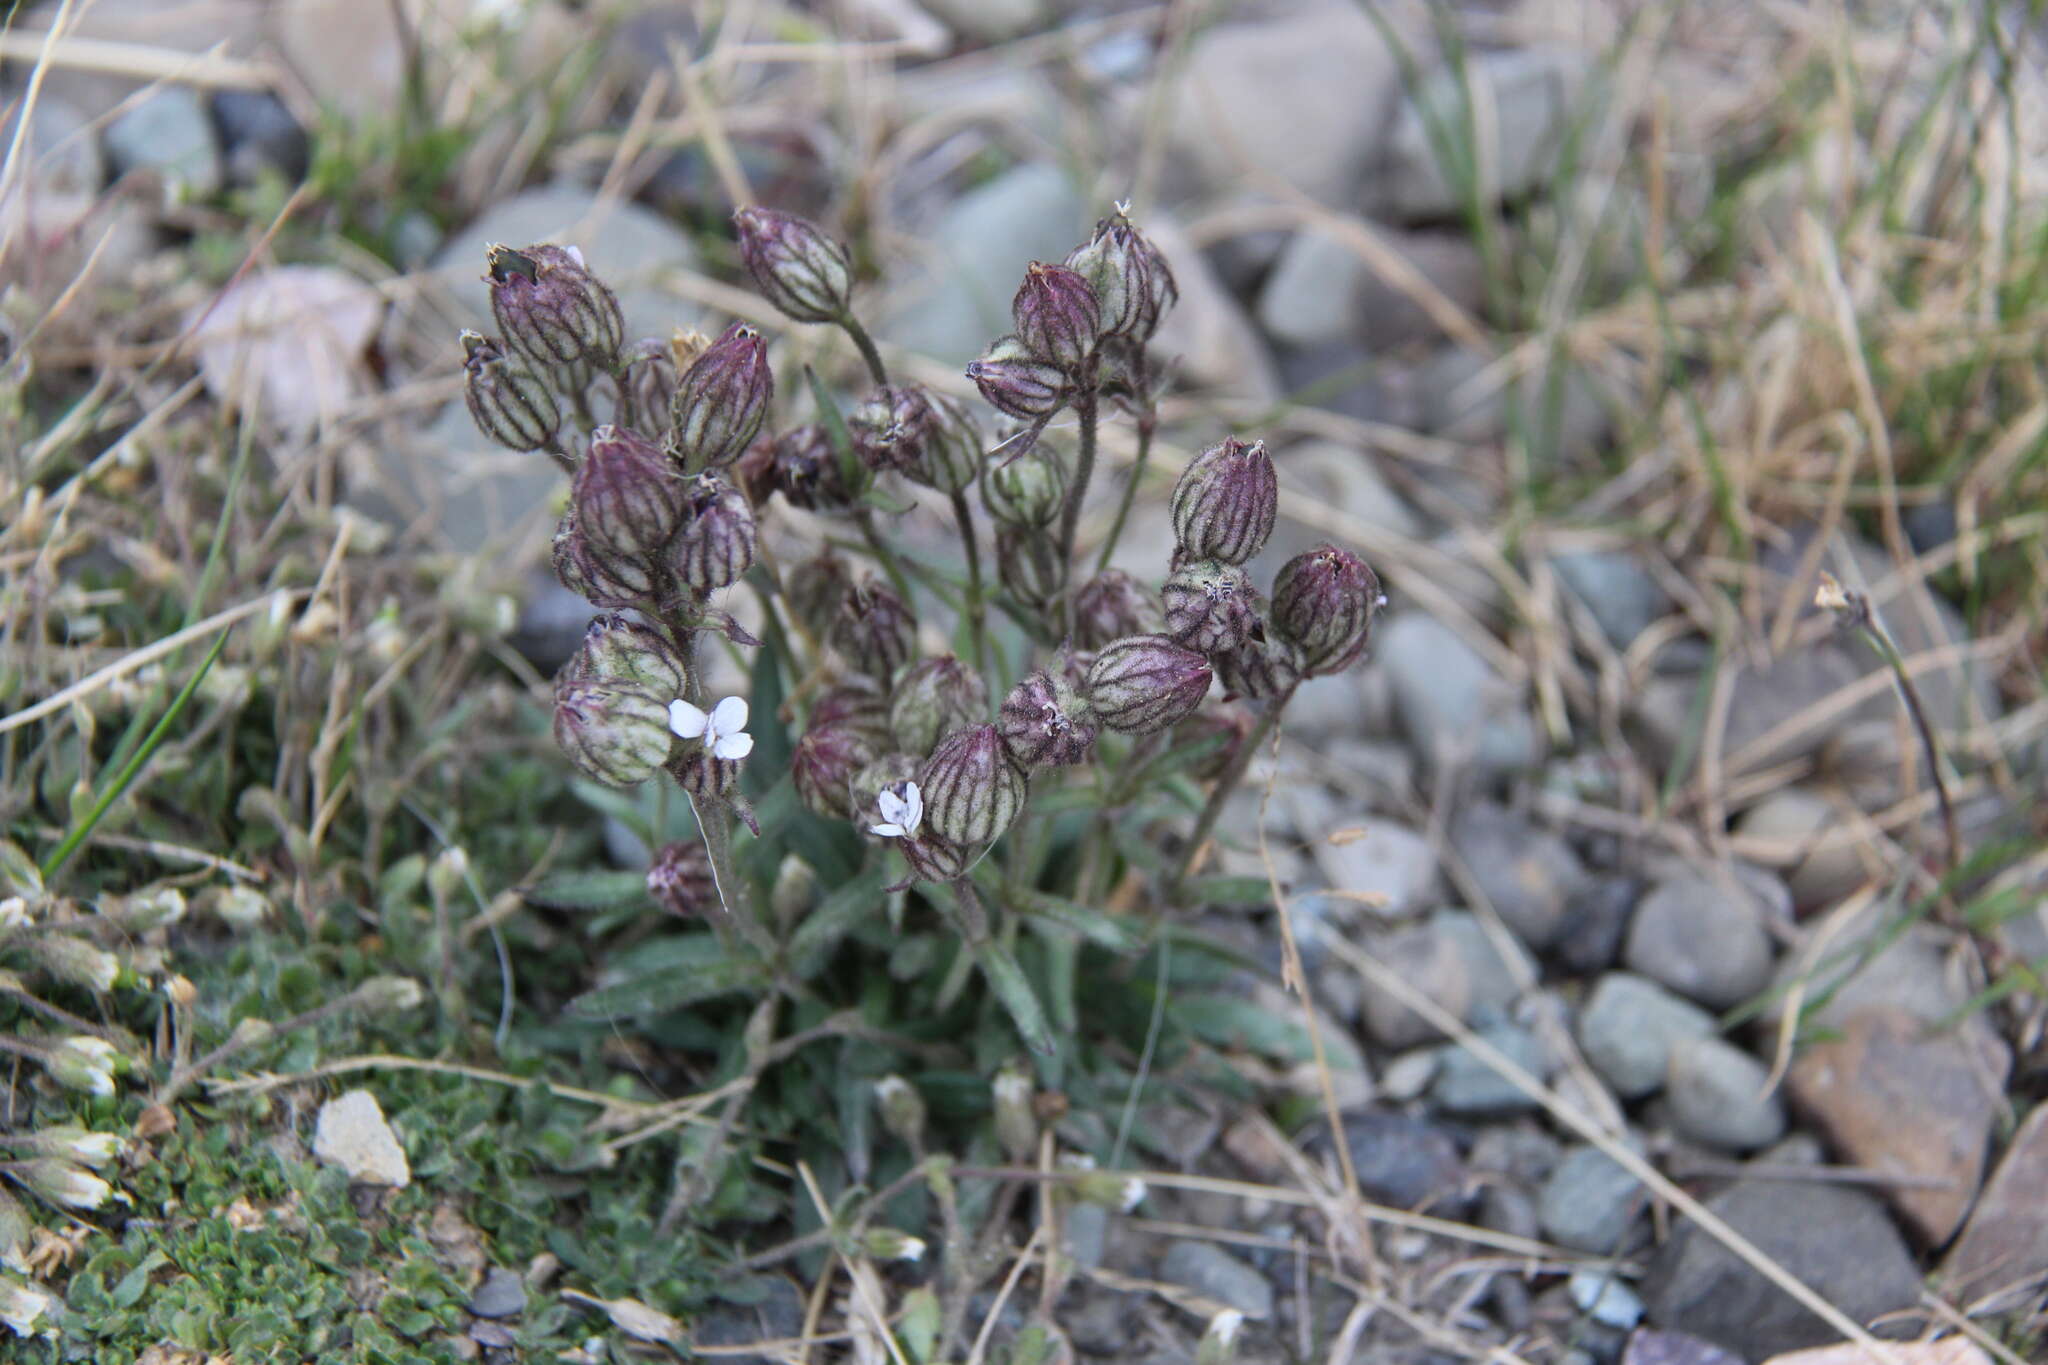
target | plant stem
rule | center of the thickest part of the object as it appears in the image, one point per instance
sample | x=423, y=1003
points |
x=714, y=820
x=977, y=621
x=881, y=551
x=1084, y=462
x=1148, y=422
x=866, y=344
x=1880, y=640
x=1225, y=785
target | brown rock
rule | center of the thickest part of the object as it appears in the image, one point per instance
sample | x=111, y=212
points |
x=1947, y=1351
x=2006, y=1239
x=1892, y=1096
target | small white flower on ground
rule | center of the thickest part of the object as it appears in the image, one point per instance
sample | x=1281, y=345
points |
x=23, y=1305
x=89, y=1148
x=902, y=807
x=1133, y=1193
x=723, y=730
x=60, y=1182
x=85, y=1063
x=1226, y=1325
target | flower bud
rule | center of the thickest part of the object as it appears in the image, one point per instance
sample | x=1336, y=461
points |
x=1260, y=668
x=795, y=891
x=935, y=858
x=1044, y=723
x=1224, y=504
x=950, y=457
x=74, y=961
x=971, y=790
x=706, y=777
x=721, y=401
x=1057, y=316
x=1229, y=726
x=802, y=466
x=799, y=269
x=815, y=589
x=715, y=544
x=1210, y=607
x=1105, y=1189
x=616, y=735
x=82, y=1062
x=647, y=382
x=69, y=1142
x=859, y=708
x=1323, y=602
x=681, y=882
x=1026, y=492
x=824, y=765
x=1144, y=683
x=627, y=496
x=1112, y=605
x=890, y=1244
x=1016, y=1121
x=618, y=651
x=892, y=425
x=873, y=629
x=603, y=579
x=23, y=1305
x=62, y=1183
x=934, y=697
x=1131, y=279
x=903, y=1112
x=1031, y=566
x=1015, y=381
x=551, y=309
x=509, y=402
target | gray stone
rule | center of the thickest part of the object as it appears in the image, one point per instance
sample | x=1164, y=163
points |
x=501, y=1295
x=956, y=300
x=168, y=134
x=60, y=150
x=1527, y=874
x=1527, y=97
x=1452, y=960
x=552, y=621
x=1323, y=290
x=1719, y=1096
x=1595, y=921
x=1605, y=1299
x=1799, y=833
x=1648, y=1347
x=1407, y=1162
x=1342, y=481
x=1387, y=861
x=1217, y=1275
x=351, y=1133
x=1496, y=966
x=1836, y=1240
x=1084, y=1233
x=1590, y=1203
x=988, y=21
x=1628, y=1028
x=1702, y=939
x=1468, y=1085
x=1616, y=588
x=1327, y=85
x=1217, y=345
x=258, y=136
x=1559, y=414
x=1453, y=710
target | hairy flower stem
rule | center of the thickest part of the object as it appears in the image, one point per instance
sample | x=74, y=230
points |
x=714, y=820
x=977, y=620
x=1148, y=423
x=1085, y=395
x=1225, y=785
x=876, y=370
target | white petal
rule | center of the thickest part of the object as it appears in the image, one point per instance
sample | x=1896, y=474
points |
x=686, y=720
x=890, y=831
x=733, y=746
x=729, y=717
x=913, y=802
x=894, y=808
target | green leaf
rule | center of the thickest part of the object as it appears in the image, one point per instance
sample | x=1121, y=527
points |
x=1013, y=989
x=810, y=948
x=589, y=891
x=772, y=746
x=668, y=974
x=1229, y=1021
x=1119, y=933
x=1231, y=890
x=851, y=469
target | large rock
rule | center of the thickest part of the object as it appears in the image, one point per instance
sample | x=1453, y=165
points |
x=1407, y=1162
x=1323, y=290
x=1217, y=1275
x=1836, y=1240
x=1897, y=1099
x=286, y=345
x=2006, y=1239
x=1217, y=345
x=168, y=135
x=1386, y=861
x=1528, y=874
x=1502, y=144
x=1799, y=833
x=1720, y=1096
x=1702, y=938
x=1325, y=83
x=1555, y=410
x=1452, y=708
x=1590, y=1203
x=1628, y=1028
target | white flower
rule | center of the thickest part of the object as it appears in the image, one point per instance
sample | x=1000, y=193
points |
x=88, y=1148
x=902, y=806
x=1225, y=1326
x=723, y=731
x=21, y=1305
x=1131, y=1194
x=14, y=913
x=60, y=1182
x=84, y=1063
